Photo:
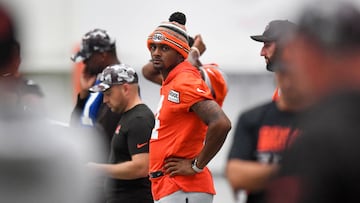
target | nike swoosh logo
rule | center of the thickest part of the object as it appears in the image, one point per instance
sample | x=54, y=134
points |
x=141, y=145
x=200, y=90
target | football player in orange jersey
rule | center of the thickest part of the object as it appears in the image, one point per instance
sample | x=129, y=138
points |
x=190, y=126
x=211, y=73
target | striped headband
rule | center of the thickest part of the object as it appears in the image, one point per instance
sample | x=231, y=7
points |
x=172, y=35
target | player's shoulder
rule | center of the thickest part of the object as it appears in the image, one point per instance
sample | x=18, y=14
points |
x=139, y=117
x=255, y=114
x=213, y=71
x=216, y=80
x=142, y=110
x=144, y=113
x=187, y=79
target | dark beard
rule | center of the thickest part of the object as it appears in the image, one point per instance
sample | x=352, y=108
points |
x=269, y=66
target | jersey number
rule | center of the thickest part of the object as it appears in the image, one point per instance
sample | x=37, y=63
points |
x=155, y=132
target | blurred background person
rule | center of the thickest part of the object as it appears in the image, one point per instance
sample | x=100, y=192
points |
x=29, y=94
x=40, y=162
x=24, y=95
x=322, y=165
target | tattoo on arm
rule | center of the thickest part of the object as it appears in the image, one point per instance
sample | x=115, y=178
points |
x=207, y=110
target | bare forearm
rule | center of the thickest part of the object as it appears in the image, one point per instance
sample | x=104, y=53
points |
x=83, y=94
x=151, y=74
x=249, y=175
x=86, y=82
x=215, y=138
x=193, y=57
x=218, y=127
x=126, y=170
x=196, y=51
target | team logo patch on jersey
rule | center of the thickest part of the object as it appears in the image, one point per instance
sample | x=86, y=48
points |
x=174, y=96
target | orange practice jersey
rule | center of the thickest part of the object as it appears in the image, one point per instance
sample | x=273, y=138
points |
x=77, y=71
x=179, y=132
x=276, y=94
x=216, y=81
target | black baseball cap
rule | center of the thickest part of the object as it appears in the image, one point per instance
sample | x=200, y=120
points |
x=96, y=40
x=115, y=75
x=274, y=31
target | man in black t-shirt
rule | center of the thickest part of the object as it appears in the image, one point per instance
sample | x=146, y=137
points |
x=262, y=133
x=128, y=164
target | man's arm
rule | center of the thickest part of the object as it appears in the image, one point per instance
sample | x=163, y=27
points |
x=242, y=170
x=151, y=74
x=85, y=83
x=77, y=111
x=249, y=175
x=196, y=51
x=218, y=127
x=138, y=167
